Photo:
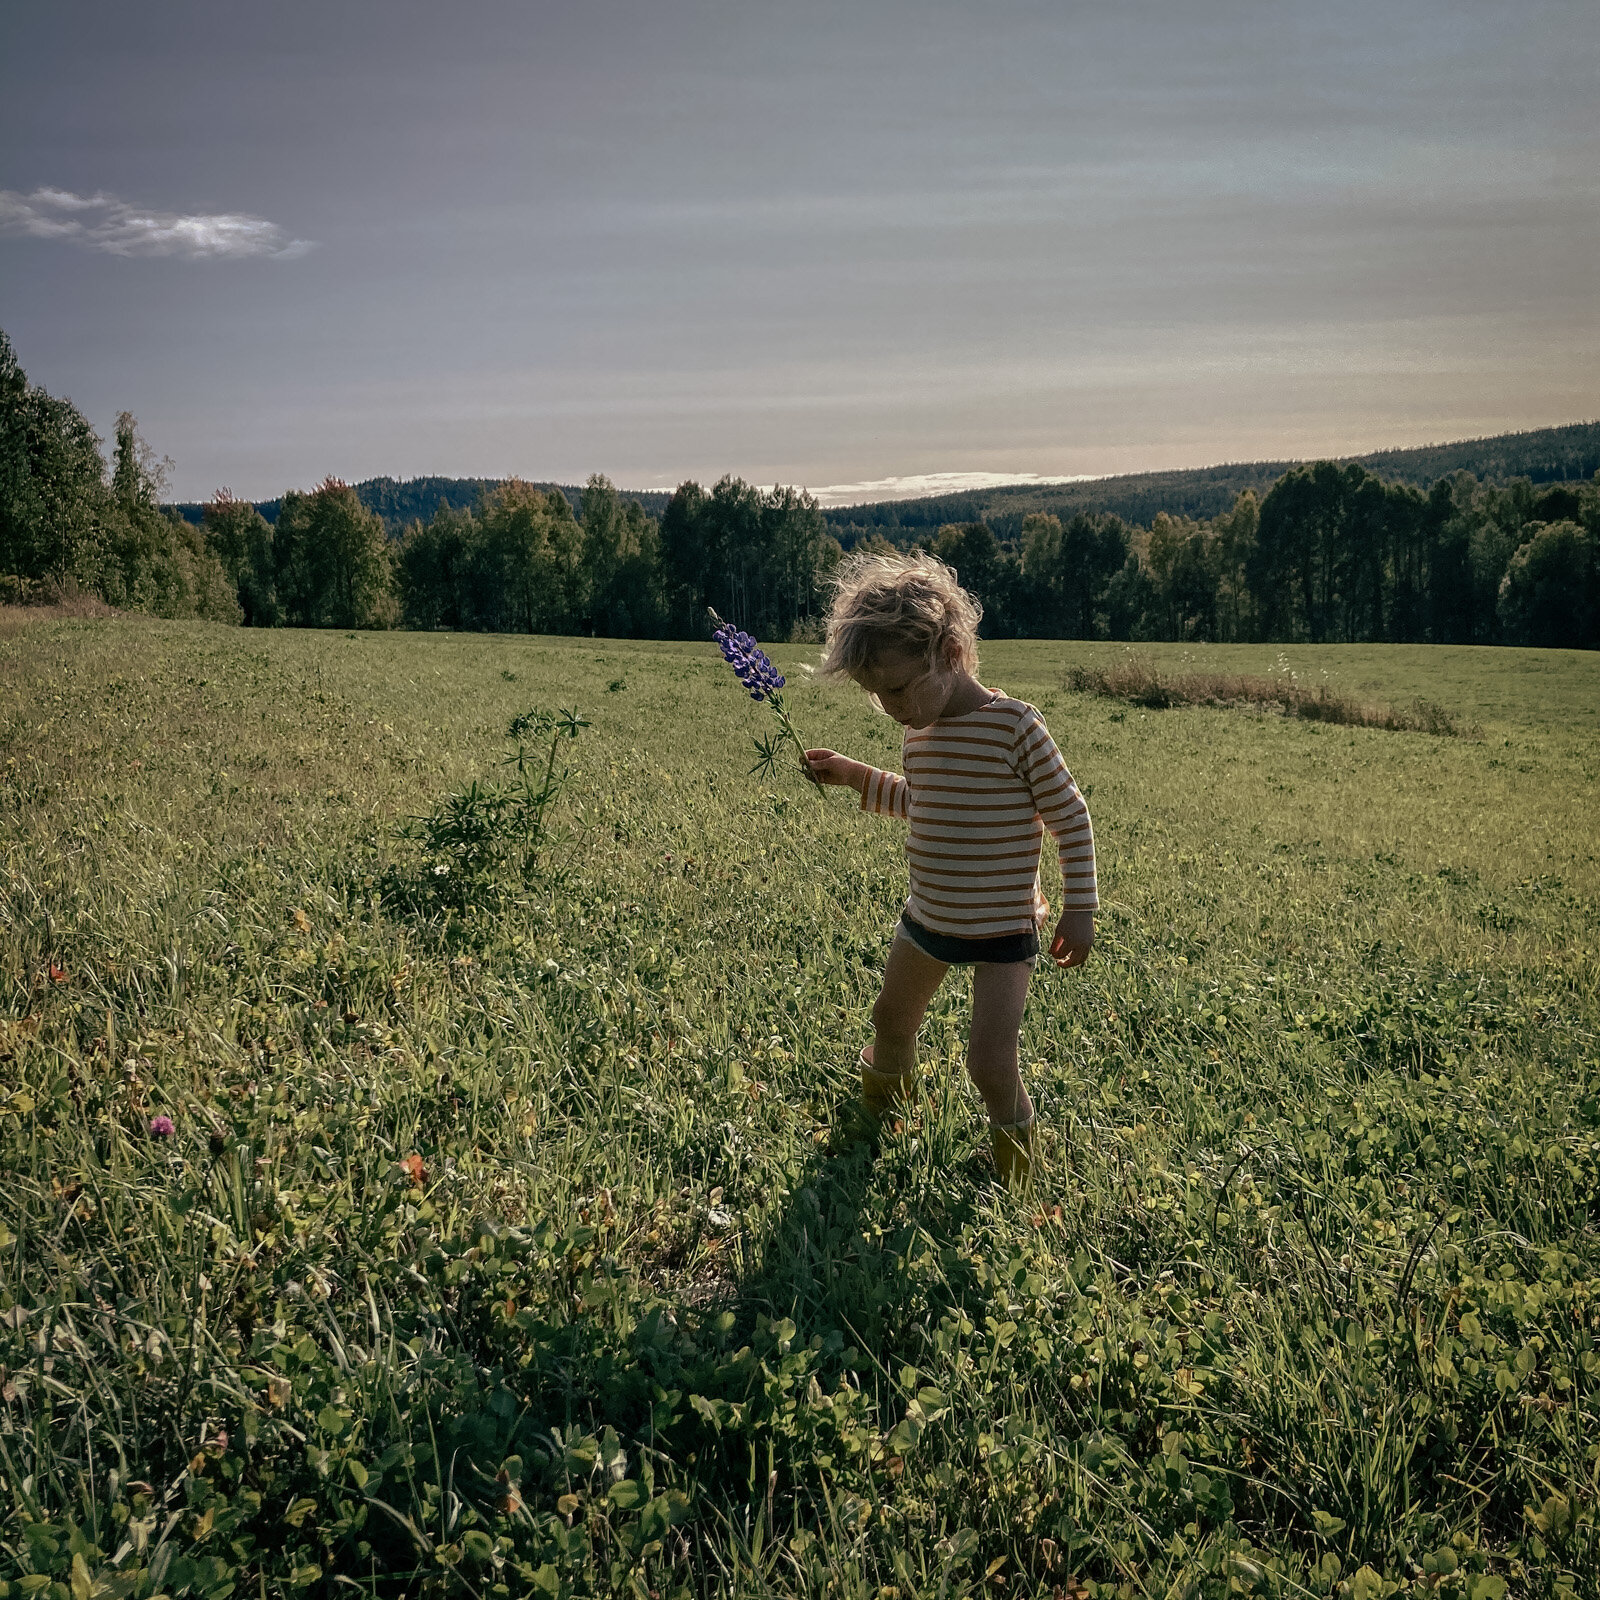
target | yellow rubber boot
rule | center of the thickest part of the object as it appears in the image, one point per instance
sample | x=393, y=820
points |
x=1013, y=1153
x=882, y=1094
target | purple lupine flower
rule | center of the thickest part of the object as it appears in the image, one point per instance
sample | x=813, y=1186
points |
x=749, y=661
x=754, y=669
x=162, y=1128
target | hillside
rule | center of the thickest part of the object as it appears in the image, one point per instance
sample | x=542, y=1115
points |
x=1545, y=455
x=400, y=501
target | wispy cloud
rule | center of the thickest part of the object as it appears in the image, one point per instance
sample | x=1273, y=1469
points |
x=115, y=227
x=922, y=484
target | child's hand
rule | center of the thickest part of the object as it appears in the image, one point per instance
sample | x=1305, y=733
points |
x=828, y=766
x=1074, y=939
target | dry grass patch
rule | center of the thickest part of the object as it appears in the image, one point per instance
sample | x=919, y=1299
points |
x=1140, y=682
x=34, y=599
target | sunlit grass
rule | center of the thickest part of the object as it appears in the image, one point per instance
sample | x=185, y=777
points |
x=1307, y=1284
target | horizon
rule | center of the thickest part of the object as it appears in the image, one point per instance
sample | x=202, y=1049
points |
x=925, y=486
x=851, y=249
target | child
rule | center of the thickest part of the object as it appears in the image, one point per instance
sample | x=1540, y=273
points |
x=983, y=779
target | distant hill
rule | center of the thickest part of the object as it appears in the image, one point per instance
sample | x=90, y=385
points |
x=400, y=501
x=1544, y=455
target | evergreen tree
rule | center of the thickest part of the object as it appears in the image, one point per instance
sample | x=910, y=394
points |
x=684, y=561
x=1130, y=601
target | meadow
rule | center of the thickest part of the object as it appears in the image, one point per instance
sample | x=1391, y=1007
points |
x=505, y=1240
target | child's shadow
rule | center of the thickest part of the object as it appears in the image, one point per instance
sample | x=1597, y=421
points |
x=867, y=1235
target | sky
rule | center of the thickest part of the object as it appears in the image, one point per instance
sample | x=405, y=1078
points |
x=858, y=247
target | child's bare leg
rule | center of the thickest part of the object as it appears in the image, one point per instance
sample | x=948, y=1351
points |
x=999, y=993
x=910, y=977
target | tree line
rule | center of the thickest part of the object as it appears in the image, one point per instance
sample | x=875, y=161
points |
x=1327, y=553
x=1330, y=554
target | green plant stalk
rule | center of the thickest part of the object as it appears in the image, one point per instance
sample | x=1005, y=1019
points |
x=787, y=729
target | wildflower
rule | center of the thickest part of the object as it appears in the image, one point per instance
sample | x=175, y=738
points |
x=754, y=669
x=162, y=1128
x=413, y=1168
x=749, y=661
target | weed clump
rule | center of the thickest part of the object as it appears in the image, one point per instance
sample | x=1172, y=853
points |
x=474, y=839
x=1140, y=682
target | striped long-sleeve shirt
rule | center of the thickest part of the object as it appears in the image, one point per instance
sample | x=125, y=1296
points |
x=979, y=790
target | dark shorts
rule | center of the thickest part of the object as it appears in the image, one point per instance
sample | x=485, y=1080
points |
x=956, y=952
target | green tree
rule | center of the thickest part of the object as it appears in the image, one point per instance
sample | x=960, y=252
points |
x=1185, y=584
x=1130, y=602
x=533, y=553
x=1451, y=606
x=757, y=558
x=799, y=550
x=56, y=514
x=440, y=571
x=1043, y=599
x=1233, y=542
x=736, y=555
x=987, y=570
x=156, y=561
x=621, y=564
x=1066, y=573
x=1295, y=573
x=684, y=560
x=332, y=560
x=1094, y=548
x=241, y=539
x=1548, y=595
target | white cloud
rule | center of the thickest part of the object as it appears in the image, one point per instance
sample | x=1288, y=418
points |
x=114, y=227
x=920, y=485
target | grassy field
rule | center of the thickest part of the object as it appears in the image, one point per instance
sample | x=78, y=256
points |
x=503, y=1243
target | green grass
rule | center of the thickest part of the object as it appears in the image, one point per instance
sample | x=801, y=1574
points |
x=1305, y=1302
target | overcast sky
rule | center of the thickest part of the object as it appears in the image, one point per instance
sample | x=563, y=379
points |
x=810, y=243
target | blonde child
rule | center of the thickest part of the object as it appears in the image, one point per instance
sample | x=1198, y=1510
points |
x=983, y=779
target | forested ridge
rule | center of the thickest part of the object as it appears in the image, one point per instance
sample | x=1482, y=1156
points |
x=1542, y=455
x=1408, y=546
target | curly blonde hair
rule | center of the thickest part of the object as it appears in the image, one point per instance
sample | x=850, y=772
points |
x=909, y=602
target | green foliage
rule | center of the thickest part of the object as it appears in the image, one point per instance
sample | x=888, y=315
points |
x=332, y=561
x=1570, y=453
x=760, y=559
x=156, y=562
x=62, y=528
x=1551, y=591
x=54, y=508
x=1332, y=551
x=474, y=838
x=504, y=1251
x=243, y=541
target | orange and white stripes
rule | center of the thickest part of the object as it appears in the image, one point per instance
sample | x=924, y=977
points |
x=979, y=790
